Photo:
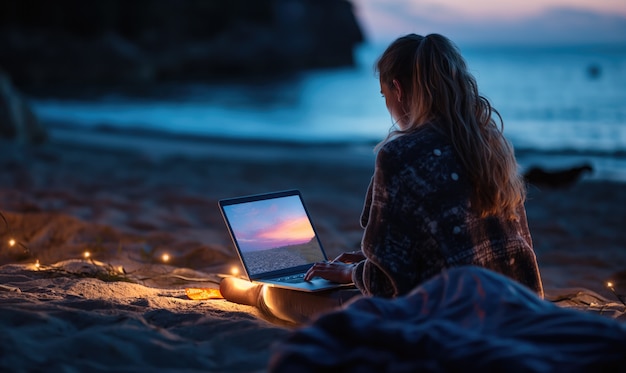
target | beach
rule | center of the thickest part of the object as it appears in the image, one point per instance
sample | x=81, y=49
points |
x=127, y=199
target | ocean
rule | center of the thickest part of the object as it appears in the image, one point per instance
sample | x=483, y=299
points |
x=566, y=104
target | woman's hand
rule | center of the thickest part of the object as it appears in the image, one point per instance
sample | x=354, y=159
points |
x=331, y=271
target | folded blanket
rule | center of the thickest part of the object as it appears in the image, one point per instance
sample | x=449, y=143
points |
x=466, y=319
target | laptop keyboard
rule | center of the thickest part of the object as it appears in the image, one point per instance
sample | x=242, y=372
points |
x=292, y=278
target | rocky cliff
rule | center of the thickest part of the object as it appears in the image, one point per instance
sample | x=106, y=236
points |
x=68, y=43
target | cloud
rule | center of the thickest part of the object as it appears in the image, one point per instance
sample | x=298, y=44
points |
x=297, y=230
x=553, y=26
x=383, y=21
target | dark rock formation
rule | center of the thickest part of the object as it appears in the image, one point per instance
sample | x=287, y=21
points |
x=17, y=120
x=561, y=178
x=52, y=44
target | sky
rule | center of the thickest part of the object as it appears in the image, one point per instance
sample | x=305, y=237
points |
x=269, y=224
x=497, y=21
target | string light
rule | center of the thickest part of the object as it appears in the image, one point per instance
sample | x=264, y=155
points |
x=619, y=297
x=234, y=271
x=119, y=270
x=12, y=242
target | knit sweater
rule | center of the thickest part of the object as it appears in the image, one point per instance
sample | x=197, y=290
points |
x=418, y=221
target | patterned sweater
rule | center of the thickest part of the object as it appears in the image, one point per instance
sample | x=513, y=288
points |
x=418, y=221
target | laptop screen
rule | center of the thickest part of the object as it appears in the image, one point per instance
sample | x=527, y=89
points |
x=272, y=232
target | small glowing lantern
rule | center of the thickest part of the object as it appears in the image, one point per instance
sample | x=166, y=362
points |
x=165, y=257
x=11, y=242
x=234, y=271
x=87, y=254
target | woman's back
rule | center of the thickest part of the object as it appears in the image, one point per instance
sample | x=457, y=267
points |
x=419, y=220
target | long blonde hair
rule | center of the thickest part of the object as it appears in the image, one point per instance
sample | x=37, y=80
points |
x=437, y=88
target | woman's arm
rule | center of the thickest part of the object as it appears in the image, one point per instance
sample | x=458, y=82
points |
x=370, y=274
x=378, y=274
x=409, y=190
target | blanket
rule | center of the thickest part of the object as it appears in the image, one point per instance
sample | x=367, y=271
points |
x=466, y=319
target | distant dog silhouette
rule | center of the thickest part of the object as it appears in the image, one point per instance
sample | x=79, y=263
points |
x=561, y=178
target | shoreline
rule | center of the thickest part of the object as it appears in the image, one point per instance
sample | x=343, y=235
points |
x=163, y=143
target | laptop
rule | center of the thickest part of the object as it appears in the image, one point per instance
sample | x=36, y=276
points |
x=275, y=239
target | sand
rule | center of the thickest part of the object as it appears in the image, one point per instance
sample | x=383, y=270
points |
x=130, y=198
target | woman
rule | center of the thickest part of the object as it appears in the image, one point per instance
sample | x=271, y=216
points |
x=445, y=191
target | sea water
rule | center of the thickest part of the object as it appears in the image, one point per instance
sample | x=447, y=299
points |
x=567, y=100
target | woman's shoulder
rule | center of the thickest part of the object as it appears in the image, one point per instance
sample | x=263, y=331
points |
x=425, y=140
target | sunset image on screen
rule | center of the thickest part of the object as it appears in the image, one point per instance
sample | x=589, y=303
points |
x=263, y=225
x=295, y=231
x=274, y=234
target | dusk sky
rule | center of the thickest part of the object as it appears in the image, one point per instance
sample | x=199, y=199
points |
x=268, y=224
x=493, y=21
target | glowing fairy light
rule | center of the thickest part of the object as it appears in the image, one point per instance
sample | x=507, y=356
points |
x=609, y=284
x=37, y=265
x=87, y=254
x=165, y=257
x=234, y=271
x=12, y=242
